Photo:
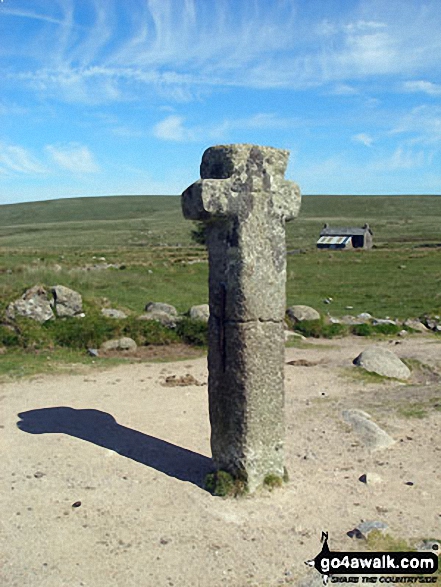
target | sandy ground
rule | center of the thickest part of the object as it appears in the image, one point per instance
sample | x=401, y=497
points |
x=134, y=452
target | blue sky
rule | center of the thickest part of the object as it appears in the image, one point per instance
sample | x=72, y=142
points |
x=107, y=97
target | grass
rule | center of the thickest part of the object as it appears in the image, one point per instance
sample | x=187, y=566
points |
x=150, y=237
x=379, y=542
x=60, y=241
x=360, y=374
x=18, y=363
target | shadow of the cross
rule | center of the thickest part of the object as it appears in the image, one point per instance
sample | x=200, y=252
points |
x=102, y=429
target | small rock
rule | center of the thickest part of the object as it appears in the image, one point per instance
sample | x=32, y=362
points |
x=182, y=381
x=355, y=533
x=379, y=321
x=168, y=320
x=111, y=313
x=367, y=527
x=39, y=474
x=119, y=344
x=161, y=307
x=77, y=504
x=365, y=316
x=290, y=334
x=299, y=313
x=201, y=312
x=93, y=352
x=352, y=321
x=370, y=434
x=429, y=545
x=371, y=478
x=333, y=320
x=364, y=528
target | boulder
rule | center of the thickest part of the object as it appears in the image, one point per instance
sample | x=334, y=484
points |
x=371, y=435
x=163, y=317
x=365, y=316
x=119, y=344
x=415, y=325
x=33, y=304
x=383, y=362
x=161, y=307
x=67, y=302
x=301, y=313
x=352, y=321
x=111, y=313
x=379, y=321
x=201, y=312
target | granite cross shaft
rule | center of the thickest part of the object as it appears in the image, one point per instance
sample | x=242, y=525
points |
x=244, y=200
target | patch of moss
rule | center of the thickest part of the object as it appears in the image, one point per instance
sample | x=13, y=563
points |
x=272, y=481
x=413, y=411
x=379, y=542
x=223, y=484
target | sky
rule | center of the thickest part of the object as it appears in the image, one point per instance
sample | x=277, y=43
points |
x=116, y=97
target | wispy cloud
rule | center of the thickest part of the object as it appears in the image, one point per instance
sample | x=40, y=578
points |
x=73, y=157
x=363, y=138
x=17, y=159
x=178, y=48
x=175, y=127
x=402, y=158
x=420, y=125
x=422, y=86
x=172, y=129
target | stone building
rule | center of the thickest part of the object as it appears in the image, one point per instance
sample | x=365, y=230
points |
x=345, y=238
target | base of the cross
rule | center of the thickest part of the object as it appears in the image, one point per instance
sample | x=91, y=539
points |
x=246, y=399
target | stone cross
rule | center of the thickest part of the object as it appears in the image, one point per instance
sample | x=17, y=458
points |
x=244, y=200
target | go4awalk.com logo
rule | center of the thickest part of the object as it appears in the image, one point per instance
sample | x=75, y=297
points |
x=386, y=564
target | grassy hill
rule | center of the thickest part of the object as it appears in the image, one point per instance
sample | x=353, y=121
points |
x=56, y=241
x=150, y=220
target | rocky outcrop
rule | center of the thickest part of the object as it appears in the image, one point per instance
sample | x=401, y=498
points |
x=66, y=302
x=33, y=304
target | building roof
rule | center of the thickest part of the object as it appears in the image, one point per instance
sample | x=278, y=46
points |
x=334, y=240
x=345, y=231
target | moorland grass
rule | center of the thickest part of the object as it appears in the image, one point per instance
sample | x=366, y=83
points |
x=57, y=242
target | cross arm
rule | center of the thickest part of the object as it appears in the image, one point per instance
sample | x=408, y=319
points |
x=206, y=198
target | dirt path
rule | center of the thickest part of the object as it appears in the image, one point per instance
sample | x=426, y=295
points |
x=134, y=453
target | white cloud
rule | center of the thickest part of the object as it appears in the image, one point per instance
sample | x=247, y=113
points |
x=344, y=90
x=402, y=158
x=364, y=139
x=422, y=125
x=17, y=159
x=73, y=157
x=181, y=48
x=172, y=129
x=424, y=87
